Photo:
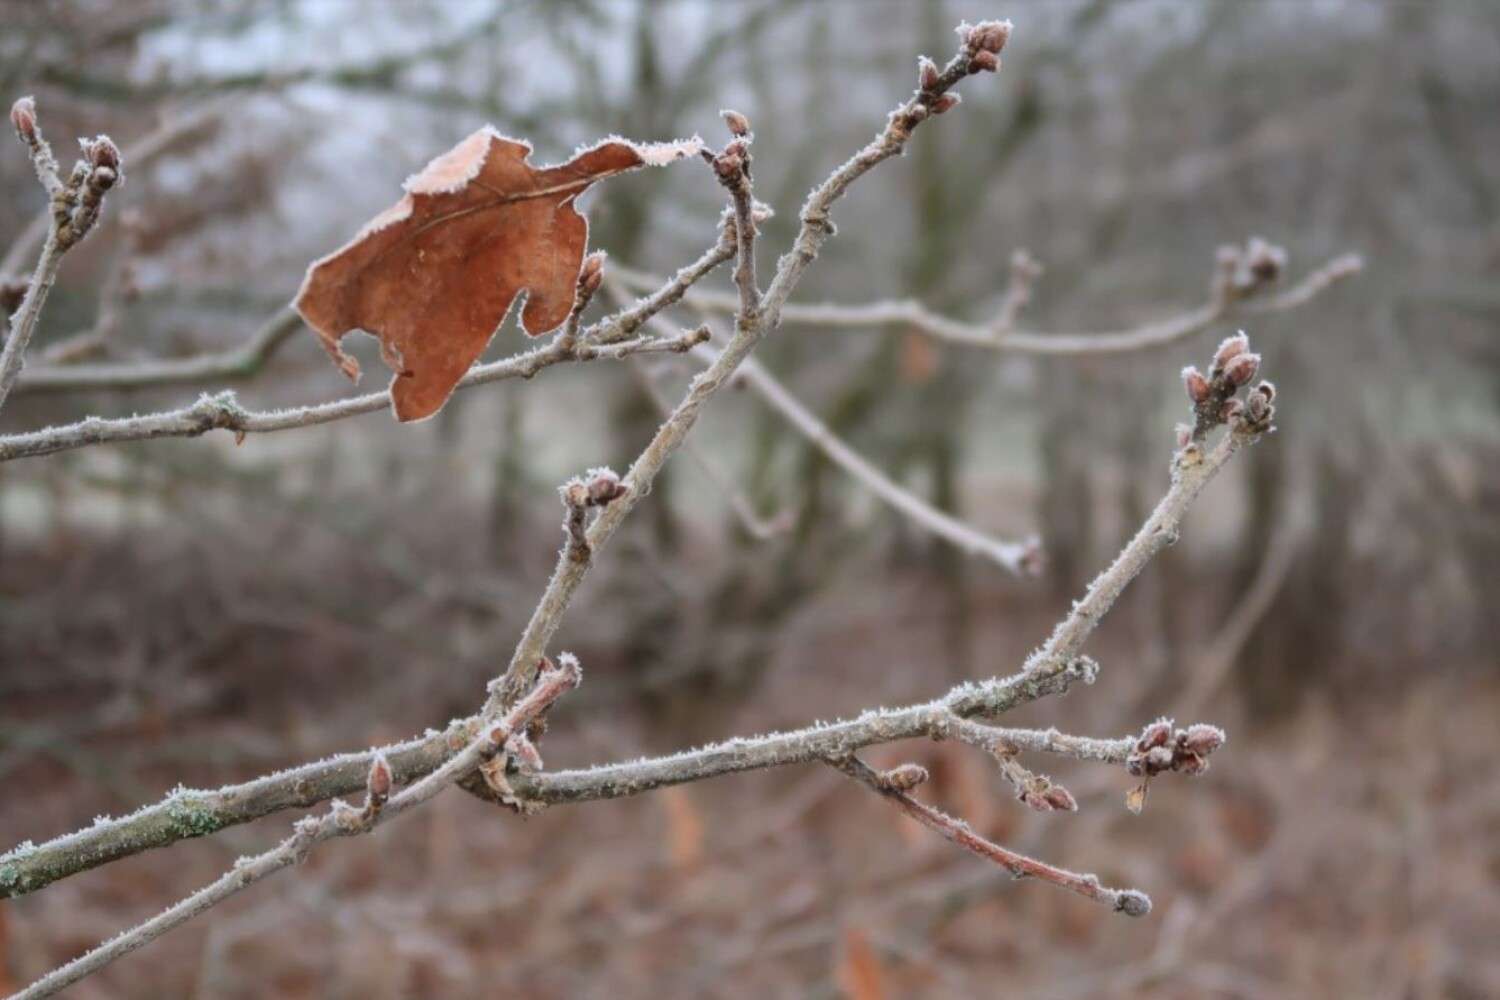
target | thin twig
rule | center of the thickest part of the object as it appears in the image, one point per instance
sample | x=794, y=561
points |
x=1020, y=558
x=223, y=412
x=1131, y=902
x=913, y=314
x=758, y=528
x=337, y=822
x=238, y=362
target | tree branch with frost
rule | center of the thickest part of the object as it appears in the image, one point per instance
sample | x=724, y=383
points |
x=1051, y=670
x=75, y=206
x=1023, y=558
x=894, y=786
x=1227, y=300
x=759, y=528
x=494, y=746
x=222, y=411
x=341, y=820
x=189, y=814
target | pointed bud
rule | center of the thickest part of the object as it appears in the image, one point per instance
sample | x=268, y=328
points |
x=1155, y=735
x=1231, y=348
x=1061, y=799
x=738, y=124
x=986, y=36
x=101, y=151
x=604, y=485
x=945, y=104
x=591, y=274
x=984, y=62
x=1036, y=799
x=23, y=119
x=1242, y=368
x=903, y=778
x=378, y=784
x=1197, y=386
x=1266, y=389
x=927, y=73
x=1202, y=739
x=1258, y=409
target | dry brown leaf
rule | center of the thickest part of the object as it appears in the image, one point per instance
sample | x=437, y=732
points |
x=684, y=827
x=434, y=275
x=860, y=974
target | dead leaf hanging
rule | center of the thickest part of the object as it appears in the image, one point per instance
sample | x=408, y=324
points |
x=434, y=275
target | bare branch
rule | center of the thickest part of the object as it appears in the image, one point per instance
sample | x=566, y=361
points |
x=236, y=363
x=340, y=821
x=1021, y=558
x=757, y=527
x=998, y=336
x=222, y=412
x=75, y=205
x=1131, y=902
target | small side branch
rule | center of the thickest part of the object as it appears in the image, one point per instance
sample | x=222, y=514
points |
x=222, y=412
x=1022, y=558
x=1000, y=336
x=1131, y=902
x=76, y=203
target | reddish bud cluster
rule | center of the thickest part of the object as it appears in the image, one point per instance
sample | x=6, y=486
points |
x=1047, y=797
x=1162, y=748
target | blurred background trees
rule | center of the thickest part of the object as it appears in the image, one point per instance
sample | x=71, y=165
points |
x=189, y=610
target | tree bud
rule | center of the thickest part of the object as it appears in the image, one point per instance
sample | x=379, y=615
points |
x=738, y=124
x=1197, y=386
x=984, y=62
x=23, y=119
x=1231, y=348
x=945, y=103
x=927, y=73
x=1242, y=368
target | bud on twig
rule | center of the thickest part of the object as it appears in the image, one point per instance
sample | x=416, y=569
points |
x=986, y=36
x=378, y=784
x=1202, y=739
x=903, y=778
x=1231, y=348
x=927, y=73
x=23, y=119
x=591, y=274
x=945, y=103
x=984, y=62
x=1197, y=386
x=738, y=124
x=1242, y=368
x=604, y=486
x=101, y=151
